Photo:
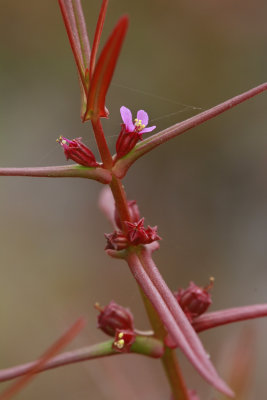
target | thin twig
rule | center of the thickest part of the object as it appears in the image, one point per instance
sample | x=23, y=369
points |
x=223, y=317
x=123, y=164
x=146, y=346
x=64, y=171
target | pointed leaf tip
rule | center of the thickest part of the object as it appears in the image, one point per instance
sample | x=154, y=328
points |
x=104, y=71
x=98, y=32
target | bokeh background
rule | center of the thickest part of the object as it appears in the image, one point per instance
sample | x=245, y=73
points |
x=206, y=190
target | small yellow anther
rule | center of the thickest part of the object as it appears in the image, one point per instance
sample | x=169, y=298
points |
x=119, y=343
x=120, y=335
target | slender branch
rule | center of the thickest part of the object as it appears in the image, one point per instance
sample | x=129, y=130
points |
x=120, y=200
x=223, y=317
x=123, y=164
x=169, y=359
x=64, y=171
x=146, y=346
x=174, y=374
x=101, y=143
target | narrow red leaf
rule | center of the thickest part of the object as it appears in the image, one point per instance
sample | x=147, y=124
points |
x=70, y=24
x=82, y=32
x=67, y=337
x=98, y=31
x=104, y=71
x=192, y=341
x=202, y=364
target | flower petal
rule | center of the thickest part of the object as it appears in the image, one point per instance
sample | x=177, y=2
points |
x=127, y=118
x=151, y=128
x=143, y=116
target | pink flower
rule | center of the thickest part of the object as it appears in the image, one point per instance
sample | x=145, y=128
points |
x=139, y=124
x=131, y=131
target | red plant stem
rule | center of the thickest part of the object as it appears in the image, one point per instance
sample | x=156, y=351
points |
x=223, y=317
x=102, y=144
x=152, y=294
x=64, y=171
x=149, y=144
x=145, y=346
x=120, y=200
x=169, y=359
x=174, y=374
x=115, y=185
x=205, y=369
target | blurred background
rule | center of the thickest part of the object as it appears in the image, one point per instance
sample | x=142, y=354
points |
x=206, y=190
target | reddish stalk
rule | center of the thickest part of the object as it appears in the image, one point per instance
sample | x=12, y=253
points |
x=169, y=359
x=153, y=141
x=174, y=374
x=223, y=317
x=102, y=144
x=64, y=171
x=120, y=200
x=145, y=346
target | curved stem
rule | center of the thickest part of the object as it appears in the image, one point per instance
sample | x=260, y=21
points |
x=223, y=317
x=146, y=346
x=174, y=374
x=169, y=359
x=64, y=171
x=120, y=200
x=123, y=164
x=101, y=143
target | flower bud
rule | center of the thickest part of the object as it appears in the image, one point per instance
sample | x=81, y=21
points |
x=114, y=317
x=123, y=340
x=77, y=151
x=194, y=300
